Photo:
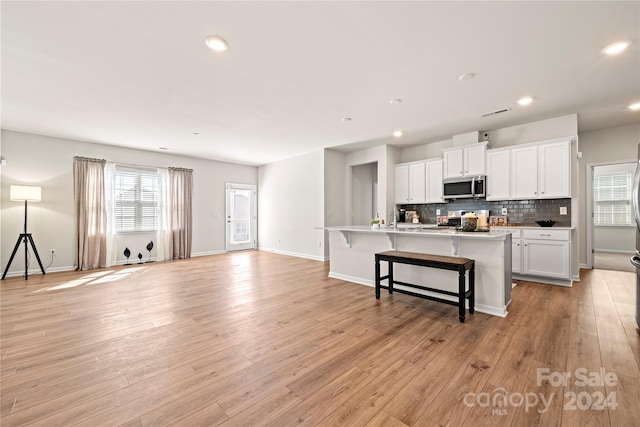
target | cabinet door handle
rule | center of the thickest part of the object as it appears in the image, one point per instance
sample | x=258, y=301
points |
x=547, y=235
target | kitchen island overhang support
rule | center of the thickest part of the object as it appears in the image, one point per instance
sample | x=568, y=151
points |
x=352, y=253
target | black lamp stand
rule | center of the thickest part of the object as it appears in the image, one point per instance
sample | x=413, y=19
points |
x=26, y=237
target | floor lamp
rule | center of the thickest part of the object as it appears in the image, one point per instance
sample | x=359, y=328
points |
x=19, y=193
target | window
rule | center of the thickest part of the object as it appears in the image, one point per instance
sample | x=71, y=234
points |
x=135, y=194
x=612, y=199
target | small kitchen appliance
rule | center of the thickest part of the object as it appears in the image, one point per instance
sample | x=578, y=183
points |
x=466, y=187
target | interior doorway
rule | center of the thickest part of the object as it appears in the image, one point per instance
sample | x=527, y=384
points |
x=364, y=193
x=610, y=224
x=241, y=217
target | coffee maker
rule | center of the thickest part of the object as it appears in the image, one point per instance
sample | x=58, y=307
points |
x=402, y=215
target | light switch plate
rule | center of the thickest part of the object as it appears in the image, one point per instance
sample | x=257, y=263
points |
x=563, y=210
x=437, y=211
x=504, y=211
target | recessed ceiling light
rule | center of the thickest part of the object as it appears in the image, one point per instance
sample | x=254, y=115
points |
x=346, y=119
x=196, y=133
x=217, y=43
x=398, y=133
x=395, y=101
x=635, y=106
x=616, y=48
x=467, y=76
x=524, y=101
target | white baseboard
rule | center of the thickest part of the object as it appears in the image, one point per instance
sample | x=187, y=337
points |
x=612, y=251
x=196, y=254
x=295, y=254
x=38, y=271
x=352, y=279
x=547, y=280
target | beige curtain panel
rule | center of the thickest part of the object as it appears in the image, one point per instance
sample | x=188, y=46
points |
x=90, y=213
x=180, y=217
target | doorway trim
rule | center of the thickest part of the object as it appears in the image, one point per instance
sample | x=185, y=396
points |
x=253, y=235
x=589, y=204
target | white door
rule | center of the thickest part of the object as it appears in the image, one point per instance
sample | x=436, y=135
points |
x=241, y=217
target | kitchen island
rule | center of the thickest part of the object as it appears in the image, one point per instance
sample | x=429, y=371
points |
x=352, y=250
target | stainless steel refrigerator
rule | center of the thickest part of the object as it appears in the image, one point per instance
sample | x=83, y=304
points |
x=635, y=260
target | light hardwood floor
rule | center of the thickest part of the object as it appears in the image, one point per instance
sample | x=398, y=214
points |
x=256, y=339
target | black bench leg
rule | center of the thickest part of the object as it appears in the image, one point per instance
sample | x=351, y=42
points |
x=390, y=277
x=461, y=294
x=377, y=277
x=472, y=288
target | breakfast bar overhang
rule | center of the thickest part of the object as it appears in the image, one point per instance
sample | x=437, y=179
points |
x=352, y=252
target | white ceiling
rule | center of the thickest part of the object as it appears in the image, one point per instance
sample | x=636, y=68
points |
x=138, y=74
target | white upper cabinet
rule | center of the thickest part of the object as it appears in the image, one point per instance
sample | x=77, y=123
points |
x=466, y=160
x=474, y=157
x=524, y=173
x=554, y=170
x=498, y=174
x=402, y=184
x=434, y=181
x=410, y=183
x=417, y=183
x=541, y=171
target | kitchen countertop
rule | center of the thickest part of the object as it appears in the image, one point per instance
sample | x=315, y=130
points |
x=431, y=231
x=493, y=228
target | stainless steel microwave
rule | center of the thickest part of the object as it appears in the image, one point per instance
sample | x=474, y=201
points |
x=467, y=187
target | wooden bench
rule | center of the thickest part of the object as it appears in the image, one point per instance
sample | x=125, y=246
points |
x=461, y=265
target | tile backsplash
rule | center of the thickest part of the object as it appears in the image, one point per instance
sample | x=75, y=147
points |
x=523, y=212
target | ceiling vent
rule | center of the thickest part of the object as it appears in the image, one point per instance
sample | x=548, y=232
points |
x=493, y=113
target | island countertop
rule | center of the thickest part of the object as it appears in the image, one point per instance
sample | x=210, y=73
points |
x=433, y=231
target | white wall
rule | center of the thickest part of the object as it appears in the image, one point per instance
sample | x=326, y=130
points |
x=335, y=190
x=385, y=157
x=364, y=182
x=613, y=145
x=542, y=130
x=291, y=205
x=48, y=162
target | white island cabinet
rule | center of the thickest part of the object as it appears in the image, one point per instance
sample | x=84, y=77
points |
x=352, y=250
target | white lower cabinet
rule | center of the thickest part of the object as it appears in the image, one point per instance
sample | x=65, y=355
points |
x=516, y=251
x=546, y=258
x=542, y=253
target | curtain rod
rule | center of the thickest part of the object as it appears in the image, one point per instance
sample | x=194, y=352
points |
x=133, y=164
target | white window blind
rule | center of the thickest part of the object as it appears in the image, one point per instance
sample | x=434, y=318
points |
x=612, y=199
x=136, y=196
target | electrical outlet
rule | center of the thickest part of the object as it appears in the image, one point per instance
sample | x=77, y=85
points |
x=504, y=211
x=563, y=210
x=279, y=240
x=437, y=211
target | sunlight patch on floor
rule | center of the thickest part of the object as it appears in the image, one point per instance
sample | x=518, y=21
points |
x=95, y=278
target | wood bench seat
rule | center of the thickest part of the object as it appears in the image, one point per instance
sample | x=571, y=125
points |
x=461, y=265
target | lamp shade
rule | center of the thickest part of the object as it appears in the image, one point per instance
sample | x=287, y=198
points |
x=18, y=193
